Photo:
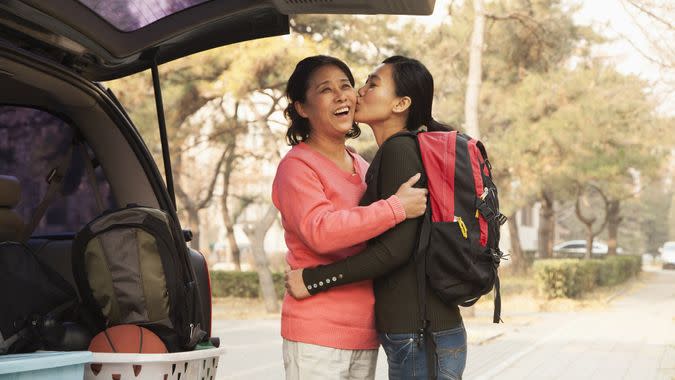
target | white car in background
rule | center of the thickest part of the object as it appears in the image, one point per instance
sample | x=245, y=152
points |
x=577, y=248
x=668, y=255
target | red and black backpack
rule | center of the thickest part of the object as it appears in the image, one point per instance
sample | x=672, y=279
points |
x=458, y=249
x=458, y=246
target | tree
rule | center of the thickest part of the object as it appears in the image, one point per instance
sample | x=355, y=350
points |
x=587, y=217
x=256, y=233
x=616, y=158
x=475, y=70
x=522, y=39
x=228, y=216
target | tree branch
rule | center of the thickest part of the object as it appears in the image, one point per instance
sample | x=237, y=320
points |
x=521, y=18
x=647, y=56
x=651, y=14
x=209, y=193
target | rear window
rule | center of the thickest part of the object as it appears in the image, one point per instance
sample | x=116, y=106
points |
x=574, y=246
x=32, y=143
x=130, y=15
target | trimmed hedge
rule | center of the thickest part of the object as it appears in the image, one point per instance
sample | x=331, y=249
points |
x=242, y=284
x=572, y=278
x=556, y=278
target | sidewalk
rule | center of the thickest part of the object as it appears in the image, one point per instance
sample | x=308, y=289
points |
x=633, y=337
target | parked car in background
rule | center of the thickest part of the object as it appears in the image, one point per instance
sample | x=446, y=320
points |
x=577, y=248
x=668, y=255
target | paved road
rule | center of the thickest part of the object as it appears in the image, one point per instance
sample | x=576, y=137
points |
x=634, y=338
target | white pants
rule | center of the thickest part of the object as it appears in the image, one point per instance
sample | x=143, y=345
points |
x=304, y=361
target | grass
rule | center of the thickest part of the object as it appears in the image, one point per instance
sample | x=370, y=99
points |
x=233, y=308
x=520, y=295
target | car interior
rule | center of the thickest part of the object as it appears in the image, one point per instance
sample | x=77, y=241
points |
x=36, y=93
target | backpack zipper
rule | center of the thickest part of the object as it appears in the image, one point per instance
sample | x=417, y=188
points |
x=462, y=227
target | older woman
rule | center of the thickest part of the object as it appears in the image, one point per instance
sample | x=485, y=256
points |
x=317, y=189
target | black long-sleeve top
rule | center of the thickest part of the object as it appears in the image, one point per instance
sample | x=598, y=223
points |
x=388, y=258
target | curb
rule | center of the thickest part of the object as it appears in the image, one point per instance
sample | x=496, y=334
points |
x=625, y=287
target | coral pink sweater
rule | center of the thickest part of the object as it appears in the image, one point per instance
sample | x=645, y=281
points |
x=323, y=223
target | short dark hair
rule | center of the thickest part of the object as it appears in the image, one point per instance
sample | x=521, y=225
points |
x=413, y=79
x=296, y=91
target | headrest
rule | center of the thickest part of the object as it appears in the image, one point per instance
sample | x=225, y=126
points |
x=10, y=191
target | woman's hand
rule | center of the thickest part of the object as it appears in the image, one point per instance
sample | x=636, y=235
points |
x=414, y=200
x=295, y=286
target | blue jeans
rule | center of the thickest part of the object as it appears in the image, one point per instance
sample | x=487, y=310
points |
x=408, y=360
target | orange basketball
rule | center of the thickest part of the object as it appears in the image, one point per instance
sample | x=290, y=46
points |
x=127, y=339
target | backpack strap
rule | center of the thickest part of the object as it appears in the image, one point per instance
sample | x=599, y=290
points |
x=497, y=312
x=424, y=334
x=33, y=327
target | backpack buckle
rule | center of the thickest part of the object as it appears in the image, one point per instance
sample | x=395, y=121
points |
x=484, y=209
x=53, y=175
x=498, y=256
x=501, y=219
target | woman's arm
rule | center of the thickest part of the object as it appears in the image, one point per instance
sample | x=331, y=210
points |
x=299, y=195
x=400, y=159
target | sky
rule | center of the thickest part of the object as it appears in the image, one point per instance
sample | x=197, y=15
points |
x=618, y=22
x=622, y=23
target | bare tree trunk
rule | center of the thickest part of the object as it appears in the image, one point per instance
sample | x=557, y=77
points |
x=551, y=229
x=232, y=241
x=518, y=260
x=546, y=225
x=191, y=202
x=256, y=234
x=613, y=220
x=474, y=79
x=227, y=218
x=589, y=241
x=589, y=220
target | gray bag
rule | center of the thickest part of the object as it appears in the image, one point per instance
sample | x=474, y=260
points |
x=131, y=266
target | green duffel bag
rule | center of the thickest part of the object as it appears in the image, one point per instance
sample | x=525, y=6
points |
x=131, y=266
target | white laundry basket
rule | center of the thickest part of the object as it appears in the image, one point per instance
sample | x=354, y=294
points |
x=191, y=365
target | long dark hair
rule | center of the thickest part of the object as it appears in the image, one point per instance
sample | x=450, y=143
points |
x=413, y=79
x=296, y=91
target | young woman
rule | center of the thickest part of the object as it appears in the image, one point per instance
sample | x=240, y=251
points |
x=317, y=189
x=396, y=98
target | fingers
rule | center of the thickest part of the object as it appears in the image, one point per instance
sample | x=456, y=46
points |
x=287, y=285
x=420, y=194
x=413, y=180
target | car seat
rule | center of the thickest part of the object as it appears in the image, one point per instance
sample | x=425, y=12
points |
x=11, y=224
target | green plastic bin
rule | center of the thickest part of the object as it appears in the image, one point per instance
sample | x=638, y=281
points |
x=46, y=365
